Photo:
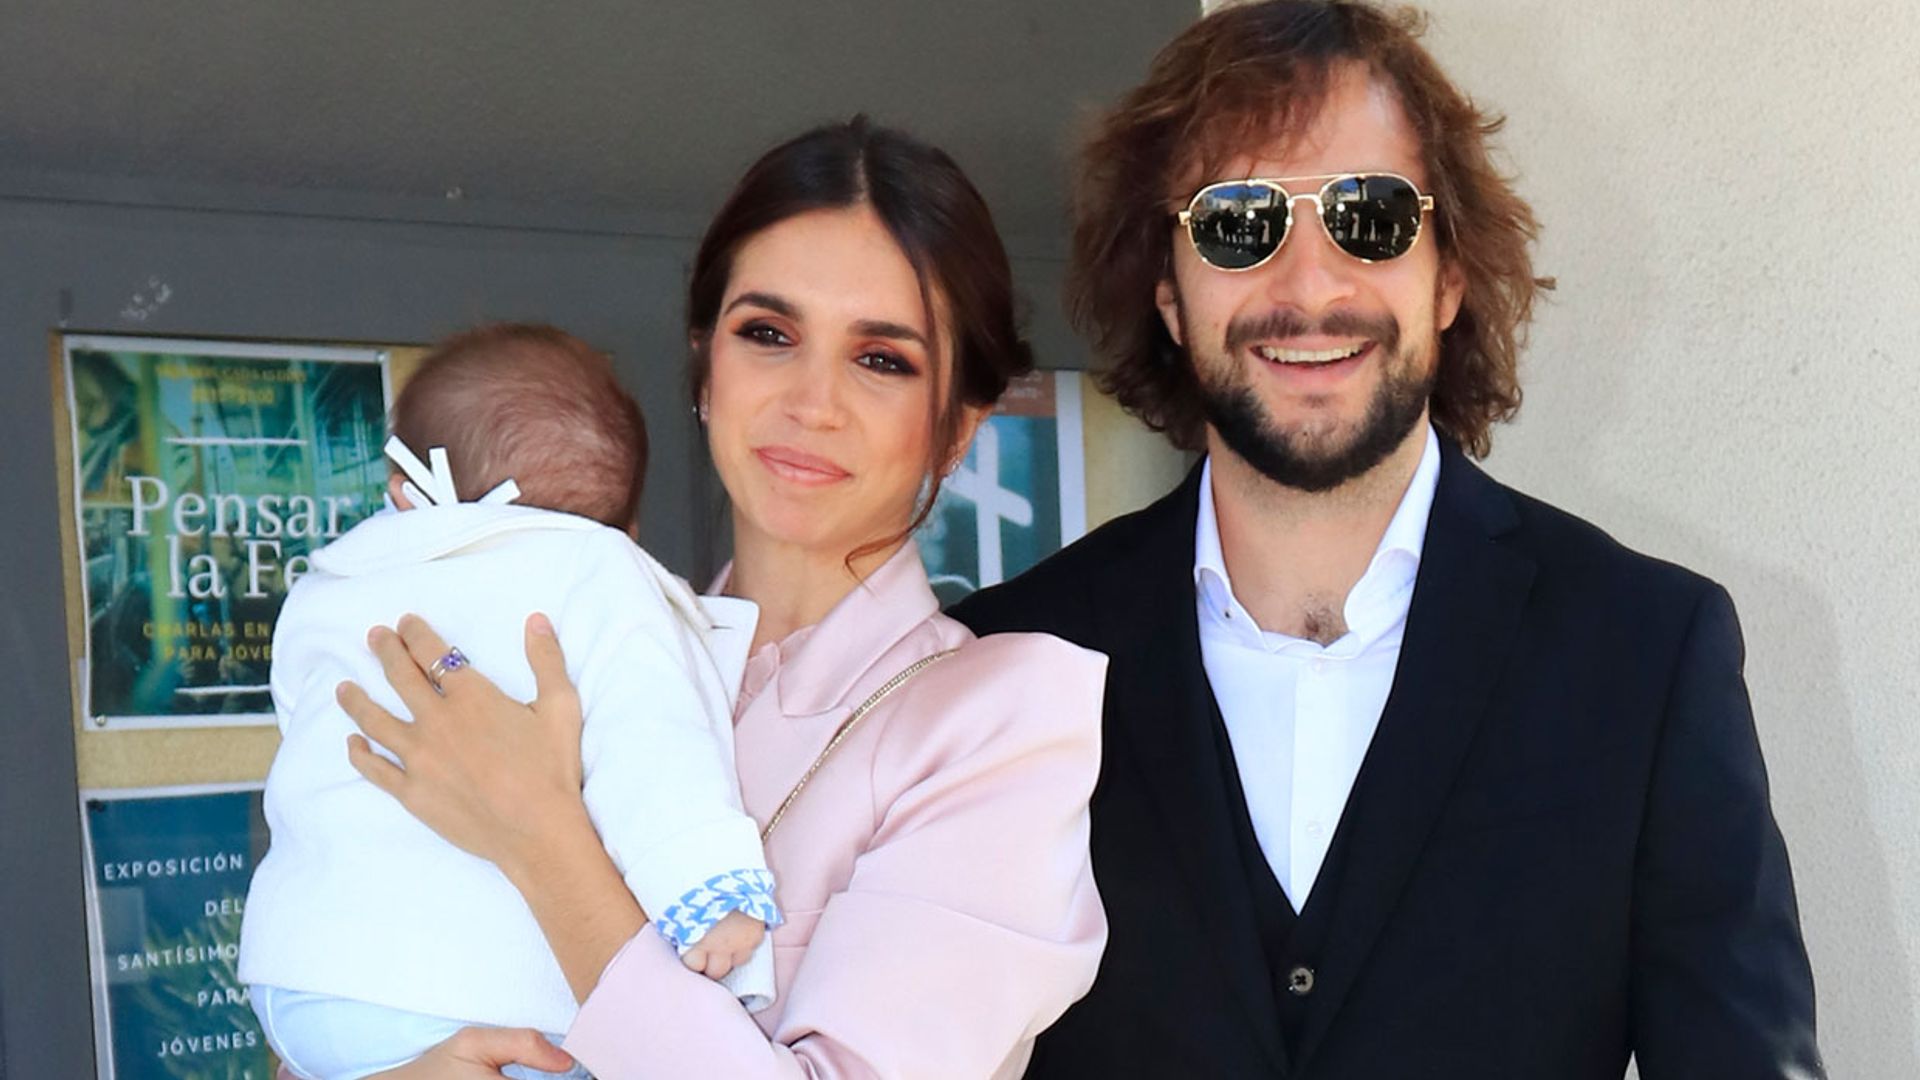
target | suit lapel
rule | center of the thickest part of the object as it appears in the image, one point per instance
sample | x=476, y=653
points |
x=1465, y=612
x=1161, y=709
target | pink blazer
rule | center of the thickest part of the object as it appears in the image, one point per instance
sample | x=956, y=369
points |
x=939, y=901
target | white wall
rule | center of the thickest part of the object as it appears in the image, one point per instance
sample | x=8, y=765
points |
x=1727, y=378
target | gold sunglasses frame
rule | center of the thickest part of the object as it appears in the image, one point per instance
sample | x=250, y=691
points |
x=1318, y=198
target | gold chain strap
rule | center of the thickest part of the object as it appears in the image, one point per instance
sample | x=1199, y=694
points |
x=846, y=727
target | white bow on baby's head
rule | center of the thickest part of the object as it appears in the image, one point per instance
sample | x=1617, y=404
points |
x=434, y=487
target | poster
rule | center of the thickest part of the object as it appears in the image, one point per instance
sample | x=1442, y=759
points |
x=167, y=875
x=205, y=473
x=1019, y=496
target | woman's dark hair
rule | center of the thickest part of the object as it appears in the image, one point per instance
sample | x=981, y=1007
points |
x=1243, y=76
x=943, y=227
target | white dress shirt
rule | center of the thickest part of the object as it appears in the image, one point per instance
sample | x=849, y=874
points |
x=1300, y=716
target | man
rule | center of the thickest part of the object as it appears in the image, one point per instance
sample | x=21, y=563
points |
x=1406, y=774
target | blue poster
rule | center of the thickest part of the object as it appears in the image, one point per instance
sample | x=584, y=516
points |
x=168, y=874
x=1019, y=495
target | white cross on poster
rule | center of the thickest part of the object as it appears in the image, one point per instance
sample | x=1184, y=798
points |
x=1019, y=496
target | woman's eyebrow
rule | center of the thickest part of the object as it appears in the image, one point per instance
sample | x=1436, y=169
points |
x=885, y=329
x=766, y=300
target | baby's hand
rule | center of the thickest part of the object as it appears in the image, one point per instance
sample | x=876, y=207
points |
x=726, y=946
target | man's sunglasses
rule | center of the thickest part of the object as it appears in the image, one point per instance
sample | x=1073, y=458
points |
x=1240, y=224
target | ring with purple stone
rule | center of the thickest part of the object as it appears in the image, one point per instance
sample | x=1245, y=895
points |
x=453, y=661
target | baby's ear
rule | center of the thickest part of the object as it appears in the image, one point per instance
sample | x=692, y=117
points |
x=396, y=491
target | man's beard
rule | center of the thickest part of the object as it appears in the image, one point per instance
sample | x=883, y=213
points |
x=1301, y=460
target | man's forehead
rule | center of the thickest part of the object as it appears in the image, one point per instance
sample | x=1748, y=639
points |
x=1358, y=126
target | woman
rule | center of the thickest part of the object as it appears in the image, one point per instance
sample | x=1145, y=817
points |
x=851, y=321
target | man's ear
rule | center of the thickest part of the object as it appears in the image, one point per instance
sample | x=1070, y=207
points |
x=1166, y=297
x=396, y=490
x=1452, y=290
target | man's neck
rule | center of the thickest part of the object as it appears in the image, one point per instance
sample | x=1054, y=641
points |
x=1293, y=556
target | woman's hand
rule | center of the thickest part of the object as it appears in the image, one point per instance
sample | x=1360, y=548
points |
x=478, y=1054
x=495, y=777
x=501, y=780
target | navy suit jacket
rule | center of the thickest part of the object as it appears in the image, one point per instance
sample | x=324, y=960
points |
x=1559, y=849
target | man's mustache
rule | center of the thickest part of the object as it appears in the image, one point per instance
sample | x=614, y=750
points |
x=1287, y=323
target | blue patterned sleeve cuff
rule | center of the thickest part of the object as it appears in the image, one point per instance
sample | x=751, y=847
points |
x=688, y=919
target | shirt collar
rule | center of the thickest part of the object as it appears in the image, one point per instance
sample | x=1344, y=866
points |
x=1209, y=561
x=1407, y=533
x=1390, y=574
x=392, y=539
x=815, y=667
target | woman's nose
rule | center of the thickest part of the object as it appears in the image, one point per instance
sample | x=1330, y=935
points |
x=815, y=394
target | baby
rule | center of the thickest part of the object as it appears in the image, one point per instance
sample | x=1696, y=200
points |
x=368, y=938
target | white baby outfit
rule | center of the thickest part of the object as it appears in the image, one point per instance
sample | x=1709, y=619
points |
x=357, y=900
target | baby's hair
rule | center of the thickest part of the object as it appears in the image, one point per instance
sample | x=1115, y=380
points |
x=535, y=404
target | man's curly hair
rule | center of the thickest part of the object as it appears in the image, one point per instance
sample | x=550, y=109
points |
x=1251, y=74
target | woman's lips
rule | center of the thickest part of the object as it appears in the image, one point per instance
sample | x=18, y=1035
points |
x=800, y=467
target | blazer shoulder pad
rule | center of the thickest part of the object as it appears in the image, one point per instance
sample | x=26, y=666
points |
x=1566, y=544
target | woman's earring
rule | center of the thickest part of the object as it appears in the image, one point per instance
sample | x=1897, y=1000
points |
x=700, y=411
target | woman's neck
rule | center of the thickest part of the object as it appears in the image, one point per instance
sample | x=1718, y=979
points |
x=794, y=586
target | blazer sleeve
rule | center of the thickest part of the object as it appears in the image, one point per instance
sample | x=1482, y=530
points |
x=969, y=923
x=1721, y=986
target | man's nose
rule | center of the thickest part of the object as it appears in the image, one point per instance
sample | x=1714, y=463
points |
x=1309, y=273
